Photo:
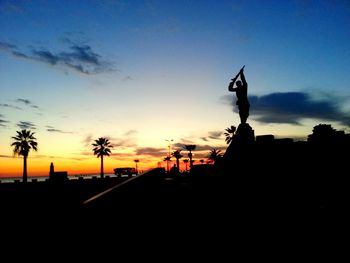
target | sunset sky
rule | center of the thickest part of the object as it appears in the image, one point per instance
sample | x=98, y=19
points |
x=143, y=72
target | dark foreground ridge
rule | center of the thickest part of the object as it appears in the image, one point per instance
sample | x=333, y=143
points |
x=257, y=177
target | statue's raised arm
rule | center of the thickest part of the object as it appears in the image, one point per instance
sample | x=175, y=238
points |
x=243, y=78
x=233, y=81
x=241, y=90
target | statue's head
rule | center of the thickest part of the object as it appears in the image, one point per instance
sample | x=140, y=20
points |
x=238, y=83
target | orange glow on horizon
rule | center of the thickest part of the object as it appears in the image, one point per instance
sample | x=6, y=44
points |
x=41, y=166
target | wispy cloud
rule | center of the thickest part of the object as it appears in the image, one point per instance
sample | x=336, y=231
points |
x=5, y=105
x=292, y=107
x=213, y=135
x=26, y=125
x=126, y=140
x=123, y=143
x=54, y=130
x=151, y=151
x=27, y=103
x=87, y=140
x=7, y=46
x=130, y=133
x=79, y=57
x=3, y=122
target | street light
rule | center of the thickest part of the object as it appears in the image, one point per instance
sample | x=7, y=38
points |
x=168, y=158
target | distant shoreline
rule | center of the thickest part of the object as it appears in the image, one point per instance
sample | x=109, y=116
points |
x=41, y=178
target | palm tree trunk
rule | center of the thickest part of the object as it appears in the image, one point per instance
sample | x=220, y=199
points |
x=178, y=164
x=190, y=156
x=102, y=175
x=25, y=169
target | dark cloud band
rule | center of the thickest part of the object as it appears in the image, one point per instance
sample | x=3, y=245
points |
x=80, y=58
x=292, y=107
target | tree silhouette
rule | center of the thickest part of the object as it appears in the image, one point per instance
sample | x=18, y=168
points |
x=136, y=161
x=201, y=161
x=24, y=142
x=186, y=162
x=102, y=146
x=167, y=160
x=190, y=148
x=322, y=133
x=177, y=154
x=230, y=132
x=214, y=155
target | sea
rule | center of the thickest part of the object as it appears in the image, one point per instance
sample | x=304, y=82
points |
x=44, y=178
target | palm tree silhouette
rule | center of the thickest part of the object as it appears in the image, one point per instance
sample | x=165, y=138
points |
x=190, y=148
x=214, y=155
x=167, y=160
x=102, y=146
x=24, y=141
x=136, y=161
x=185, y=162
x=177, y=154
x=230, y=132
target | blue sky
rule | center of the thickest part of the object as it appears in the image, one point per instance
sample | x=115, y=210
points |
x=79, y=70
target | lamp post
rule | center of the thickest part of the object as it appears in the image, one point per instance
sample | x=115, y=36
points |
x=169, y=145
x=168, y=159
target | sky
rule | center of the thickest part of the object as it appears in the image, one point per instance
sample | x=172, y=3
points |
x=143, y=73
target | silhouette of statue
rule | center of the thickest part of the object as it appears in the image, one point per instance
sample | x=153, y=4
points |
x=243, y=137
x=241, y=93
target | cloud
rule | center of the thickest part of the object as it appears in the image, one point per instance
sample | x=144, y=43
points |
x=26, y=125
x=123, y=156
x=126, y=140
x=182, y=143
x=151, y=151
x=123, y=143
x=5, y=105
x=3, y=123
x=130, y=132
x=7, y=46
x=79, y=57
x=215, y=135
x=52, y=129
x=203, y=147
x=87, y=140
x=12, y=49
x=27, y=102
x=292, y=107
x=116, y=143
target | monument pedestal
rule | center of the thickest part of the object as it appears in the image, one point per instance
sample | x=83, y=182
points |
x=240, y=149
x=244, y=134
